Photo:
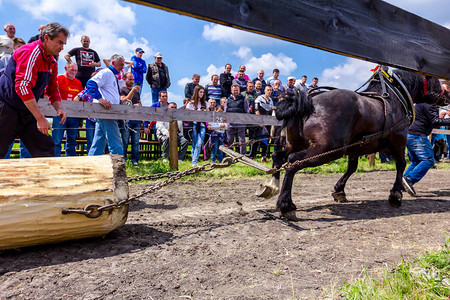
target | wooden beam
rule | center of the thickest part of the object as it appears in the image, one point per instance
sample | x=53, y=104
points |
x=173, y=145
x=371, y=30
x=126, y=112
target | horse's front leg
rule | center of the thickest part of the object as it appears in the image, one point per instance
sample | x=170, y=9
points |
x=339, y=194
x=395, y=195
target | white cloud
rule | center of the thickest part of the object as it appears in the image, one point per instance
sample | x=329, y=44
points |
x=225, y=34
x=182, y=82
x=146, y=98
x=178, y=99
x=268, y=62
x=105, y=28
x=350, y=75
x=243, y=52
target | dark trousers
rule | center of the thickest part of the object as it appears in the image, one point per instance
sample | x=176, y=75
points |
x=21, y=123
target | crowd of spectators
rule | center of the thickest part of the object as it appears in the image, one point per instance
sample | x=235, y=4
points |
x=121, y=82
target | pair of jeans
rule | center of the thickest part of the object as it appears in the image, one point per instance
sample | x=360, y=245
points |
x=197, y=140
x=238, y=132
x=90, y=130
x=155, y=93
x=71, y=128
x=106, y=130
x=23, y=151
x=421, y=156
x=131, y=129
x=216, y=154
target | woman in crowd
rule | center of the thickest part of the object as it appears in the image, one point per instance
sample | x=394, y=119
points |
x=217, y=137
x=198, y=102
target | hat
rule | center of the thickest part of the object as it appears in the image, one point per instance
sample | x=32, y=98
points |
x=158, y=54
x=291, y=77
x=139, y=50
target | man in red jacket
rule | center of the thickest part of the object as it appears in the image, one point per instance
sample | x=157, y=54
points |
x=31, y=70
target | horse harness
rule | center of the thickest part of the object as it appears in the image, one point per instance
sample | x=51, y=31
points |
x=392, y=82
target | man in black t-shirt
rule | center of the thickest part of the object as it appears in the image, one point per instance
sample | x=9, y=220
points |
x=87, y=59
x=129, y=95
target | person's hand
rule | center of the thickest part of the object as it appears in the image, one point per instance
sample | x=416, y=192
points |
x=146, y=131
x=167, y=134
x=209, y=127
x=105, y=103
x=136, y=88
x=153, y=85
x=62, y=114
x=223, y=125
x=44, y=126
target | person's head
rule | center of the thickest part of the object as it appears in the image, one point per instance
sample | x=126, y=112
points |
x=228, y=68
x=117, y=61
x=85, y=41
x=215, y=79
x=139, y=52
x=291, y=81
x=212, y=104
x=446, y=85
x=261, y=74
x=250, y=87
x=186, y=102
x=71, y=70
x=158, y=58
x=10, y=30
x=195, y=78
x=163, y=98
x=276, y=85
x=243, y=68
x=275, y=73
x=258, y=85
x=17, y=43
x=53, y=37
x=268, y=90
x=241, y=74
x=223, y=100
x=219, y=108
x=442, y=114
x=315, y=81
x=172, y=105
x=41, y=27
x=199, y=96
x=129, y=80
x=235, y=90
x=304, y=78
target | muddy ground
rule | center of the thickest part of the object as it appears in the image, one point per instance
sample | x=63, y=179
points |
x=216, y=240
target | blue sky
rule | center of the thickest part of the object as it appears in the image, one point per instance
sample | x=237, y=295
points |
x=192, y=46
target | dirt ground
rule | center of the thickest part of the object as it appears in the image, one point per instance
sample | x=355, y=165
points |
x=216, y=240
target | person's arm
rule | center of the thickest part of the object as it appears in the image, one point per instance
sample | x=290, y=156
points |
x=67, y=57
x=93, y=90
x=96, y=62
x=187, y=93
x=106, y=61
x=42, y=124
x=130, y=95
x=162, y=129
x=167, y=76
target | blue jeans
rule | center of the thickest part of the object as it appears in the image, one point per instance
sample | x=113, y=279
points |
x=133, y=129
x=71, y=127
x=421, y=156
x=90, y=130
x=155, y=93
x=197, y=141
x=216, y=154
x=106, y=130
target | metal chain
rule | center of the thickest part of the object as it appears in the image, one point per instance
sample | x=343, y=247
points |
x=95, y=210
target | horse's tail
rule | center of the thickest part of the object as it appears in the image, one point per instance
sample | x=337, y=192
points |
x=294, y=107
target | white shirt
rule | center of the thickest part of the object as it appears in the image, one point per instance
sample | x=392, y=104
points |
x=6, y=47
x=107, y=85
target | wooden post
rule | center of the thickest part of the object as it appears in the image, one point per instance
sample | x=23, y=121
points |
x=173, y=145
x=371, y=158
x=33, y=193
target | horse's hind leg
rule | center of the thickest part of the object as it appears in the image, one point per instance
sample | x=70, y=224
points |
x=395, y=195
x=339, y=194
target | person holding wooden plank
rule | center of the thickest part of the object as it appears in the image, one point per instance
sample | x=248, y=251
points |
x=31, y=70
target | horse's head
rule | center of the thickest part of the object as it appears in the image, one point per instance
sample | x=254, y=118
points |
x=424, y=88
x=294, y=106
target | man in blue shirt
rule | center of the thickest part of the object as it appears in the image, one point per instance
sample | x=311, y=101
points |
x=139, y=68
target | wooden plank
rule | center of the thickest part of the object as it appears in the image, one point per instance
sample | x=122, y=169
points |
x=125, y=112
x=441, y=131
x=371, y=30
x=173, y=145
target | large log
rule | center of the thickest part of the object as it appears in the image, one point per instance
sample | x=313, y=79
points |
x=33, y=193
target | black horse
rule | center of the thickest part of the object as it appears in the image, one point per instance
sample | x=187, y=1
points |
x=344, y=122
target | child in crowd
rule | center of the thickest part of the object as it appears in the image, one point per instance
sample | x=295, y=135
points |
x=217, y=137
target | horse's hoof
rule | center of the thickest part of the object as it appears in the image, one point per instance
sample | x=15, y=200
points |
x=395, y=199
x=268, y=189
x=339, y=197
x=290, y=215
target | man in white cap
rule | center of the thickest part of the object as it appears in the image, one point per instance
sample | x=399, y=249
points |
x=290, y=86
x=158, y=77
x=139, y=68
x=6, y=41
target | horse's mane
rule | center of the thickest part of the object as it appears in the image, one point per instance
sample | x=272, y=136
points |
x=294, y=107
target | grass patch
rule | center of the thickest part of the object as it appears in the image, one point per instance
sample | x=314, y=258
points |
x=425, y=277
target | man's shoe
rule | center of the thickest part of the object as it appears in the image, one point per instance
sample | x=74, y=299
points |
x=165, y=160
x=407, y=184
x=135, y=164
